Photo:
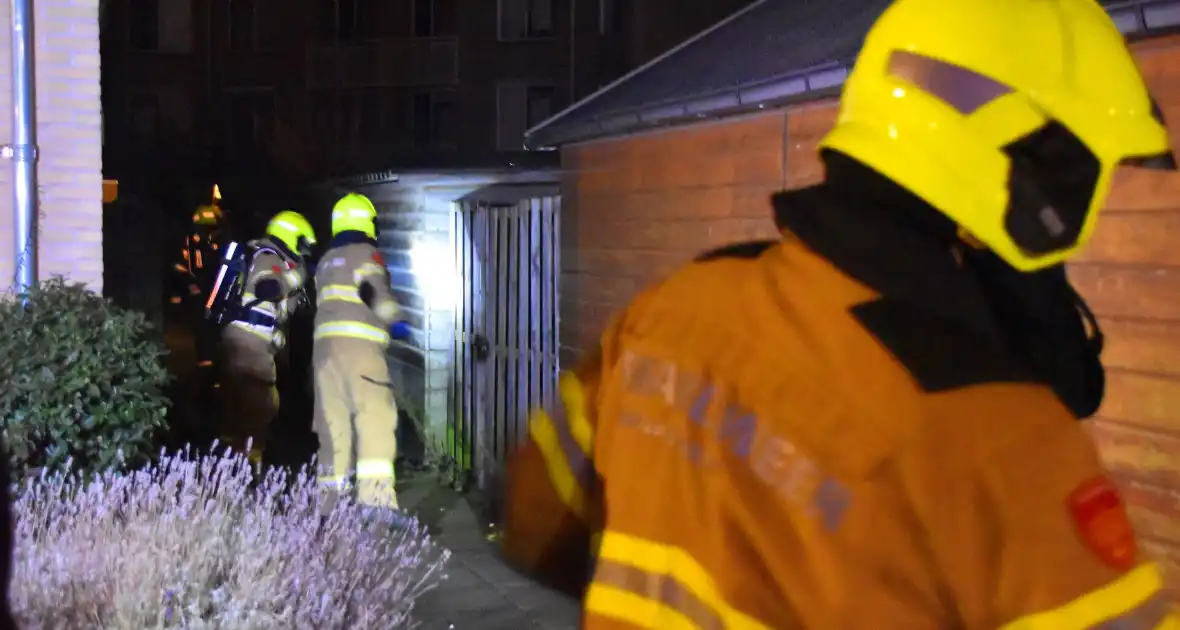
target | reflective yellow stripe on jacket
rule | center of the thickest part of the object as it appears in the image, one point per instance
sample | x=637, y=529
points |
x=1132, y=602
x=565, y=442
x=367, y=270
x=339, y=293
x=258, y=330
x=652, y=585
x=352, y=330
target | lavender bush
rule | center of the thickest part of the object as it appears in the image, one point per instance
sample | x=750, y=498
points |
x=187, y=543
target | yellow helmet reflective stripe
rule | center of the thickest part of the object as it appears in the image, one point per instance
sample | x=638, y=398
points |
x=289, y=228
x=207, y=215
x=354, y=212
x=1009, y=116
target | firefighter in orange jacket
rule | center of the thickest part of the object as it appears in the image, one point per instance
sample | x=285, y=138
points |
x=849, y=427
x=355, y=413
x=270, y=294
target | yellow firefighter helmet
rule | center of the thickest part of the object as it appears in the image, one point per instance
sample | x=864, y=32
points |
x=354, y=213
x=1008, y=116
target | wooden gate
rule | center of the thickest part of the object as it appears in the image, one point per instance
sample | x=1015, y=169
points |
x=505, y=350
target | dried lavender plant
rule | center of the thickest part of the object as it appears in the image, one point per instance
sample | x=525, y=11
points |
x=188, y=543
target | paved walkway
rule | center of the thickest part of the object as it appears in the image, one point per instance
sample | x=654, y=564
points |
x=480, y=592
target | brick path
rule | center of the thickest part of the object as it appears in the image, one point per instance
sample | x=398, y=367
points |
x=480, y=592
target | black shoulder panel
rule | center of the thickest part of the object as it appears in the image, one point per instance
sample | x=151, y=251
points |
x=940, y=353
x=747, y=249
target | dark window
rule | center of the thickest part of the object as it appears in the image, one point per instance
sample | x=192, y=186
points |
x=347, y=20
x=371, y=112
x=242, y=25
x=324, y=106
x=325, y=20
x=251, y=120
x=367, y=19
x=434, y=119
x=346, y=14
x=347, y=122
x=525, y=19
x=446, y=18
x=144, y=115
x=241, y=120
x=264, y=116
x=144, y=29
x=539, y=104
x=436, y=18
x=424, y=18
x=608, y=15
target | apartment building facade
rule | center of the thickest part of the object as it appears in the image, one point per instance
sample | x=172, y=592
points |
x=325, y=87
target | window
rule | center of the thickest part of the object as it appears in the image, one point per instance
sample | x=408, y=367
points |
x=423, y=18
x=251, y=120
x=144, y=28
x=175, y=26
x=325, y=20
x=324, y=104
x=539, y=104
x=435, y=18
x=348, y=124
x=372, y=116
x=143, y=113
x=608, y=15
x=525, y=19
x=520, y=107
x=347, y=20
x=434, y=119
x=242, y=26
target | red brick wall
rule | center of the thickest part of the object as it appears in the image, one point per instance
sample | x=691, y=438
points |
x=636, y=207
x=633, y=209
x=1130, y=275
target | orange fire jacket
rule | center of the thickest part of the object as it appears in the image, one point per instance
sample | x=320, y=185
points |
x=779, y=439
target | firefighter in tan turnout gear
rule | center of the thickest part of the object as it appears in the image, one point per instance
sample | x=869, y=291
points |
x=356, y=416
x=272, y=291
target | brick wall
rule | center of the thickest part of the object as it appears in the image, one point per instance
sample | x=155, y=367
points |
x=69, y=136
x=637, y=207
x=634, y=209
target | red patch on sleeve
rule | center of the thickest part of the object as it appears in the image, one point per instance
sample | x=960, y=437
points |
x=277, y=269
x=1101, y=518
x=378, y=259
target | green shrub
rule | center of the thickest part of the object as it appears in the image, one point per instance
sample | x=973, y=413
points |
x=82, y=380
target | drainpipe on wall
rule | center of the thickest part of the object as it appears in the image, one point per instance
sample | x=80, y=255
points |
x=23, y=150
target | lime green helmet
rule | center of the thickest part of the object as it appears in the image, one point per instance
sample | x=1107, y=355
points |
x=293, y=230
x=354, y=213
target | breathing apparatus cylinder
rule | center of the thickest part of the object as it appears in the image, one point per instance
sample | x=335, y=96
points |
x=225, y=299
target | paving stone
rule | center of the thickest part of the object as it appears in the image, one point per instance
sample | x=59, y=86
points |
x=480, y=592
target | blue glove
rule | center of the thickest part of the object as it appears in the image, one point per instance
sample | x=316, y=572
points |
x=400, y=331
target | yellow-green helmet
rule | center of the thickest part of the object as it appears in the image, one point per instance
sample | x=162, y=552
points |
x=293, y=230
x=354, y=213
x=1008, y=116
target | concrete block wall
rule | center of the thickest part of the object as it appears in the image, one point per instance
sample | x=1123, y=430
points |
x=414, y=225
x=69, y=137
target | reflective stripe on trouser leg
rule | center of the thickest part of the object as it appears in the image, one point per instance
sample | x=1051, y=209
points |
x=376, y=426
x=332, y=423
x=375, y=483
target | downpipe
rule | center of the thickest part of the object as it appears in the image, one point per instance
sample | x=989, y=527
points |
x=23, y=150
